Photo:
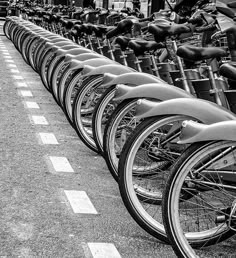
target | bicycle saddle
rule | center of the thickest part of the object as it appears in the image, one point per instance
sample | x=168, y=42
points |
x=231, y=37
x=141, y=46
x=79, y=30
x=37, y=19
x=100, y=30
x=122, y=42
x=228, y=70
x=75, y=34
x=164, y=29
x=54, y=18
x=58, y=17
x=87, y=28
x=47, y=18
x=123, y=26
x=232, y=4
x=193, y=53
x=103, y=12
x=226, y=11
x=63, y=21
x=39, y=13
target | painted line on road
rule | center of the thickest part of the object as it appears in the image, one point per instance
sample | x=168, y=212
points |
x=9, y=61
x=103, y=250
x=61, y=164
x=80, y=202
x=18, y=77
x=25, y=93
x=39, y=120
x=21, y=84
x=15, y=71
x=47, y=138
x=31, y=104
x=11, y=65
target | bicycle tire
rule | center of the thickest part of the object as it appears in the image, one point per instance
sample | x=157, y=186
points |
x=83, y=107
x=144, y=164
x=100, y=116
x=112, y=145
x=173, y=198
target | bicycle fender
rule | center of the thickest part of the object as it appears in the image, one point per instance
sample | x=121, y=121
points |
x=48, y=38
x=193, y=132
x=81, y=57
x=70, y=57
x=108, y=77
x=72, y=52
x=64, y=46
x=204, y=111
x=104, y=69
x=159, y=91
x=75, y=64
x=134, y=78
x=54, y=41
x=55, y=45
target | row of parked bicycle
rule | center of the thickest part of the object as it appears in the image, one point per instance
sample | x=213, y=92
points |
x=172, y=153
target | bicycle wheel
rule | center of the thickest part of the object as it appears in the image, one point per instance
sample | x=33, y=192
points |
x=48, y=57
x=144, y=165
x=199, y=197
x=101, y=114
x=51, y=66
x=31, y=51
x=65, y=77
x=6, y=27
x=117, y=130
x=54, y=79
x=70, y=90
x=87, y=96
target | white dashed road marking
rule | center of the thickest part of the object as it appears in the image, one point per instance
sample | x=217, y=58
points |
x=17, y=77
x=39, y=120
x=26, y=93
x=21, y=84
x=61, y=164
x=103, y=250
x=80, y=202
x=11, y=65
x=15, y=71
x=48, y=138
x=29, y=104
x=9, y=61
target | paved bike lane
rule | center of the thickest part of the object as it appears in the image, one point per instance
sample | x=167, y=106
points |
x=57, y=197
